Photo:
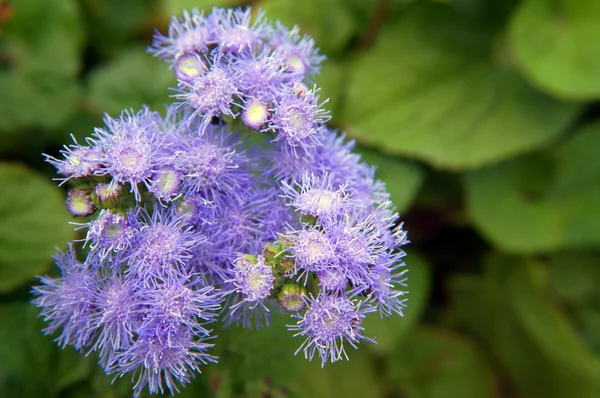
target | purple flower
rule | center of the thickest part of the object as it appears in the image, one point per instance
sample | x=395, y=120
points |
x=110, y=232
x=210, y=94
x=107, y=192
x=211, y=162
x=255, y=114
x=67, y=302
x=118, y=315
x=169, y=343
x=298, y=51
x=131, y=144
x=79, y=161
x=163, y=243
x=253, y=280
x=188, y=35
x=297, y=121
x=312, y=250
x=234, y=31
x=328, y=323
x=318, y=196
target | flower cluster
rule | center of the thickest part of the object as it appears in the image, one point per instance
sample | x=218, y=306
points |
x=237, y=202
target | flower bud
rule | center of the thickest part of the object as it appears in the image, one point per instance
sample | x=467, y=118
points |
x=291, y=297
x=255, y=114
x=107, y=192
x=79, y=204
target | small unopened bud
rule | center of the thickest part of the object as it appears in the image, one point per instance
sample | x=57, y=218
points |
x=188, y=67
x=291, y=297
x=165, y=184
x=107, y=192
x=79, y=203
x=255, y=114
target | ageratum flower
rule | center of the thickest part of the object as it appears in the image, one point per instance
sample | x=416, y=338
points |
x=109, y=233
x=79, y=161
x=67, y=302
x=188, y=35
x=131, y=145
x=162, y=244
x=297, y=120
x=211, y=162
x=328, y=323
x=240, y=201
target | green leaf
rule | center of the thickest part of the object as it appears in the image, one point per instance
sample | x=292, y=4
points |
x=131, y=80
x=490, y=308
x=537, y=203
x=355, y=378
x=40, y=53
x=244, y=351
x=177, y=7
x=33, y=222
x=331, y=82
x=556, y=45
x=575, y=276
x=432, y=89
x=402, y=179
x=329, y=22
x=25, y=353
x=550, y=328
x=436, y=363
x=392, y=331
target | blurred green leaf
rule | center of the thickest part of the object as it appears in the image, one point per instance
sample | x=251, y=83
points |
x=177, y=7
x=436, y=363
x=431, y=88
x=556, y=45
x=40, y=58
x=392, y=331
x=131, y=80
x=33, y=222
x=331, y=82
x=246, y=351
x=550, y=328
x=575, y=276
x=355, y=378
x=402, y=179
x=115, y=24
x=536, y=203
x=490, y=308
x=329, y=22
x=25, y=353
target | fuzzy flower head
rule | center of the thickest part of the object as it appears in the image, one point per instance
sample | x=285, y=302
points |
x=67, y=302
x=312, y=250
x=318, y=196
x=187, y=35
x=163, y=244
x=79, y=161
x=234, y=30
x=254, y=280
x=107, y=192
x=210, y=94
x=132, y=144
x=210, y=163
x=328, y=323
x=109, y=232
x=297, y=121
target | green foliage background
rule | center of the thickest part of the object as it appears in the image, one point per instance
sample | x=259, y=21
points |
x=482, y=116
